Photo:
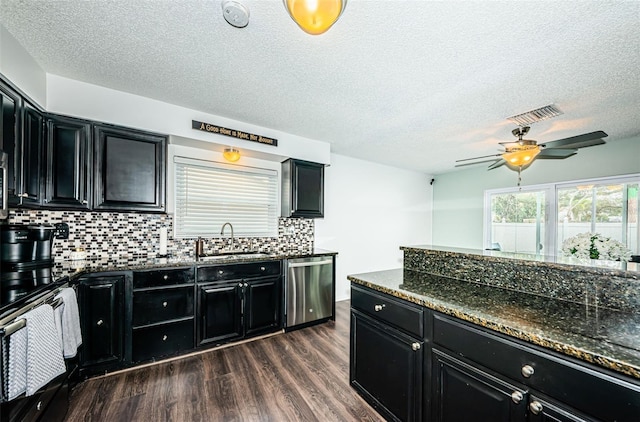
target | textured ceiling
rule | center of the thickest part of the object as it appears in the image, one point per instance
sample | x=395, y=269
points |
x=433, y=80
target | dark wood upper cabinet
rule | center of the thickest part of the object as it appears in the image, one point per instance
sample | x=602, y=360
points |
x=68, y=181
x=302, y=189
x=10, y=107
x=129, y=170
x=31, y=177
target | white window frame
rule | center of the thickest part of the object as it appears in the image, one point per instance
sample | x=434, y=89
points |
x=551, y=205
x=213, y=230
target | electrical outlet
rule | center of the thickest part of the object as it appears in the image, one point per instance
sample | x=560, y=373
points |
x=61, y=231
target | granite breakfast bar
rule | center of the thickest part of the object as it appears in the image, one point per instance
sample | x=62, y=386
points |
x=553, y=314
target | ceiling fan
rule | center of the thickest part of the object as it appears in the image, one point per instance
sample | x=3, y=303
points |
x=521, y=153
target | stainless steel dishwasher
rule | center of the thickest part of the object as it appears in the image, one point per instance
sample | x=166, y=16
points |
x=309, y=290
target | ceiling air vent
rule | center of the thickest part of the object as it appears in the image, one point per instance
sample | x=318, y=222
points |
x=534, y=116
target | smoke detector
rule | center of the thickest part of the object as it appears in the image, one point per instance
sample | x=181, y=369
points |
x=236, y=14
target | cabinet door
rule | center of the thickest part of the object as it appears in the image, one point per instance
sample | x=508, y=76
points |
x=462, y=392
x=303, y=189
x=32, y=174
x=10, y=106
x=220, y=312
x=386, y=368
x=68, y=163
x=263, y=299
x=129, y=170
x=101, y=316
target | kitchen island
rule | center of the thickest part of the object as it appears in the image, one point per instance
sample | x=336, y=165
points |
x=506, y=335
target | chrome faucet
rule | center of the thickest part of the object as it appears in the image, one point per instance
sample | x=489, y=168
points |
x=222, y=233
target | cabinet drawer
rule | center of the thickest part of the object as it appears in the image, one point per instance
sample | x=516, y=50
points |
x=162, y=340
x=151, y=306
x=587, y=390
x=238, y=271
x=393, y=311
x=162, y=277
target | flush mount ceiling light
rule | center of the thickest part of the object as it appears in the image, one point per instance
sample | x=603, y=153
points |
x=315, y=16
x=231, y=154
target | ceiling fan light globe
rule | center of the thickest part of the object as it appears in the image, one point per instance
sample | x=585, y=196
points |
x=315, y=16
x=519, y=157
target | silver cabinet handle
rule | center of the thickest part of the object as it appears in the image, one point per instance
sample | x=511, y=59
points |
x=415, y=346
x=100, y=322
x=166, y=277
x=220, y=272
x=517, y=397
x=245, y=284
x=25, y=195
x=535, y=407
x=378, y=308
x=527, y=371
x=262, y=268
x=239, y=284
x=164, y=337
x=39, y=405
x=85, y=202
x=164, y=304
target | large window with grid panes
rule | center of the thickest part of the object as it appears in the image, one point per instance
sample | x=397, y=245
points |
x=538, y=219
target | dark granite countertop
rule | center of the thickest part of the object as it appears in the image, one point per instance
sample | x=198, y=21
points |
x=563, y=262
x=74, y=269
x=604, y=337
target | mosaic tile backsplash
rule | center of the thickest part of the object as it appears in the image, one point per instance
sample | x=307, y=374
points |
x=132, y=236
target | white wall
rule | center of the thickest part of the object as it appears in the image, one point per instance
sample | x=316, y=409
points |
x=370, y=211
x=79, y=99
x=21, y=69
x=458, y=197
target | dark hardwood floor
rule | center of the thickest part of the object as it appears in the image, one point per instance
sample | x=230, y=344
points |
x=297, y=376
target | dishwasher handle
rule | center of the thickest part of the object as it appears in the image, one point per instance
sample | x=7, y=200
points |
x=309, y=264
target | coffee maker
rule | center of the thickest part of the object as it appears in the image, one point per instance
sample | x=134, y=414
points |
x=26, y=258
x=25, y=246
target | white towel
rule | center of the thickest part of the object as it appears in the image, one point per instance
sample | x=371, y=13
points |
x=17, y=374
x=70, y=322
x=44, y=351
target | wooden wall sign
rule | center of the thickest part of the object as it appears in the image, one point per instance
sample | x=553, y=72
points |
x=208, y=127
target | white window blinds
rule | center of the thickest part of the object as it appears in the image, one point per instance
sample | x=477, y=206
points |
x=209, y=194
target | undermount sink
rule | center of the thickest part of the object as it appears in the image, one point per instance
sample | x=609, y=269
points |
x=234, y=254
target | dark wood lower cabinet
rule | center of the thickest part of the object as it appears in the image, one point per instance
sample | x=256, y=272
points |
x=263, y=299
x=386, y=368
x=156, y=341
x=220, y=312
x=462, y=392
x=239, y=308
x=101, y=303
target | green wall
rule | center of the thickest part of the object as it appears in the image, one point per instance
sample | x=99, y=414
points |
x=458, y=196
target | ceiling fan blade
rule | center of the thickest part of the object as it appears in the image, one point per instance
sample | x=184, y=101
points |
x=498, y=163
x=472, y=163
x=557, y=153
x=477, y=158
x=579, y=141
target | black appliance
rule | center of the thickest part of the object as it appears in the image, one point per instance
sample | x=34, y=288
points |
x=25, y=247
x=51, y=402
x=27, y=259
x=28, y=279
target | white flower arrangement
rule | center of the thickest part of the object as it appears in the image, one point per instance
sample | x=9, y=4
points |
x=595, y=246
